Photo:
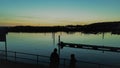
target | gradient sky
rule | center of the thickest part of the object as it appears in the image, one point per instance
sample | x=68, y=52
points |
x=57, y=12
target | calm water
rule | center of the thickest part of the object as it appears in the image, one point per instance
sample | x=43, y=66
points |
x=44, y=43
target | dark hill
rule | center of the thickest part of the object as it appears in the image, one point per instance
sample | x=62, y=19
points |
x=103, y=27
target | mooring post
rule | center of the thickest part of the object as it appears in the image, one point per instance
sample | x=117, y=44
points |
x=59, y=45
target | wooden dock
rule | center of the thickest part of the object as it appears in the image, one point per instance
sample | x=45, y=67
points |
x=91, y=47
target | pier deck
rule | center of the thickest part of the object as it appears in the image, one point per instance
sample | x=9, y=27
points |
x=92, y=47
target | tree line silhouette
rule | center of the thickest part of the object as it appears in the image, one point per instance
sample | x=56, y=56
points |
x=113, y=27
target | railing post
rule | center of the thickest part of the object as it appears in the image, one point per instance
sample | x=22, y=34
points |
x=37, y=59
x=99, y=66
x=6, y=50
x=15, y=57
x=64, y=63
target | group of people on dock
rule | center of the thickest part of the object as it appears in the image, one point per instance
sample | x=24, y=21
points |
x=55, y=60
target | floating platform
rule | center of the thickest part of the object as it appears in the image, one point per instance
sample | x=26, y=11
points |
x=92, y=47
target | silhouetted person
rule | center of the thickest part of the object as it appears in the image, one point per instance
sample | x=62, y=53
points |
x=54, y=59
x=72, y=61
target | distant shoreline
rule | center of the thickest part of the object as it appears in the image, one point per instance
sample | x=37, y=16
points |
x=113, y=27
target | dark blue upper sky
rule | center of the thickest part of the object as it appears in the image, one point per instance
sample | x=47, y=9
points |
x=58, y=12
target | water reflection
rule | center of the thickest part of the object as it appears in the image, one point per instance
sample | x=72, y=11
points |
x=53, y=37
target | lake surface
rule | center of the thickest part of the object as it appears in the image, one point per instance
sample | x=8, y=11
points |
x=44, y=43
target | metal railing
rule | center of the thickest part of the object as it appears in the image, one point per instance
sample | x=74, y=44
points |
x=20, y=55
x=40, y=59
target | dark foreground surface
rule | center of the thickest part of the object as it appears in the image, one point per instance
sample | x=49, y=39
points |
x=10, y=64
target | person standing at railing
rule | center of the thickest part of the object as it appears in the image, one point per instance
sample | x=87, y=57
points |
x=72, y=61
x=54, y=59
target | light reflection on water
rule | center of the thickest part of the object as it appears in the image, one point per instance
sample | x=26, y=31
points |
x=44, y=43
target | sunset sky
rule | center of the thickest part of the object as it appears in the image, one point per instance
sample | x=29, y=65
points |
x=57, y=12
